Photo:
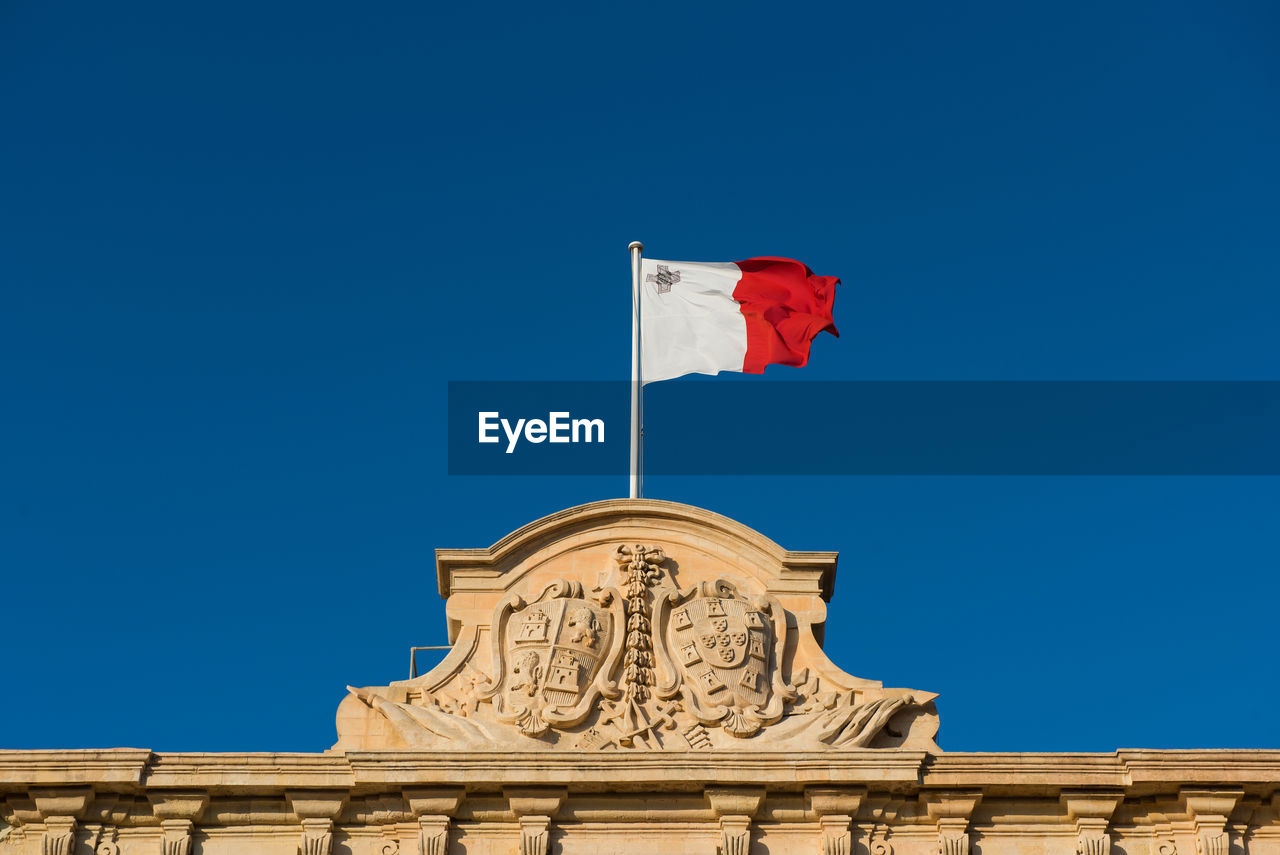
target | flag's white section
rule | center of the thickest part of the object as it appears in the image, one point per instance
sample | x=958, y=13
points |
x=689, y=321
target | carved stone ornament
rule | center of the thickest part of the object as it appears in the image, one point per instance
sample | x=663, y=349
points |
x=549, y=653
x=717, y=652
x=59, y=836
x=571, y=635
x=317, y=837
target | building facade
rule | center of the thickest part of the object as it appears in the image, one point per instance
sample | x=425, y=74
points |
x=636, y=676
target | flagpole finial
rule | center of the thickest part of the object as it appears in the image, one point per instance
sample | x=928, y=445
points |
x=635, y=244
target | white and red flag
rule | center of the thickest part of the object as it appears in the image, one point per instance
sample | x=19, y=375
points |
x=704, y=318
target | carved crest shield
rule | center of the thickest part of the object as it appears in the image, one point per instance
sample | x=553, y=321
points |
x=551, y=651
x=721, y=647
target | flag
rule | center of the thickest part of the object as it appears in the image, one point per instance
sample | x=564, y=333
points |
x=704, y=318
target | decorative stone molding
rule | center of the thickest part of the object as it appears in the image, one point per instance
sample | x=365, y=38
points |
x=390, y=840
x=102, y=820
x=735, y=835
x=61, y=801
x=316, y=809
x=1091, y=812
x=1209, y=811
x=735, y=807
x=104, y=841
x=950, y=812
x=433, y=835
x=535, y=801
x=433, y=809
x=178, y=812
x=878, y=841
x=534, y=808
x=837, y=838
x=1165, y=842
x=317, y=836
x=60, y=808
x=535, y=835
x=176, y=836
x=19, y=812
x=59, y=836
x=836, y=810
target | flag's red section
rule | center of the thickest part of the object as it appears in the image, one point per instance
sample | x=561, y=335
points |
x=786, y=306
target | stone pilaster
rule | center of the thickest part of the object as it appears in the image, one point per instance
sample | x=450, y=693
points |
x=59, y=836
x=433, y=809
x=176, y=834
x=735, y=808
x=178, y=812
x=534, y=808
x=535, y=835
x=433, y=835
x=1091, y=812
x=1209, y=810
x=317, y=836
x=950, y=812
x=59, y=808
x=836, y=810
x=316, y=810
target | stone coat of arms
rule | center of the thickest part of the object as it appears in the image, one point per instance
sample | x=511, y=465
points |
x=551, y=651
x=720, y=647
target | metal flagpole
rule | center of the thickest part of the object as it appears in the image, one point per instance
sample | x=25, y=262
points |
x=637, y=390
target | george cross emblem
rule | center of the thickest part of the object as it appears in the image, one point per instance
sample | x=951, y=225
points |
x=664, y=278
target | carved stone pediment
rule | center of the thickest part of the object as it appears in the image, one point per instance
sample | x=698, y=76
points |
x=635, y=624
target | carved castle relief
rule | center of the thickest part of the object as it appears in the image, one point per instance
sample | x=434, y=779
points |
x=597, y=640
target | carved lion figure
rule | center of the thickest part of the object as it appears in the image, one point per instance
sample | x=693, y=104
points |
x=583, y=627
x=526, y=673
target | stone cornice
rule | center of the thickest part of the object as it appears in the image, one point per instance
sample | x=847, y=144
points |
x=661, y=770
x=248, y=773
x=1128, y=771
x=111, y=766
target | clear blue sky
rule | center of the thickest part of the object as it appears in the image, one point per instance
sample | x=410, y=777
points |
x=243, y=248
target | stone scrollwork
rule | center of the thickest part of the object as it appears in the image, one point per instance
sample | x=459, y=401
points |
x=855, y=725
x=879, y=843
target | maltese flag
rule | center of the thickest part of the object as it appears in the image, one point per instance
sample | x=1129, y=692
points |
x=704, y=318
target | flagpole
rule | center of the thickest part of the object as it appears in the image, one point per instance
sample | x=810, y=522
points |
x=637, y=389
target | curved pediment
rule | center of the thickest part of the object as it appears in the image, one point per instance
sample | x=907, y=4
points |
x=635, y=623
x=598, y=522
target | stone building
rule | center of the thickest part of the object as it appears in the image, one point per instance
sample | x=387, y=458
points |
x=636, y=676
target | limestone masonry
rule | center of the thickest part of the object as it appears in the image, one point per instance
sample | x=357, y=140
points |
x=637, y=676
